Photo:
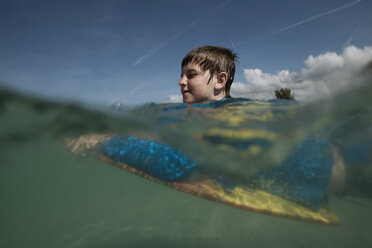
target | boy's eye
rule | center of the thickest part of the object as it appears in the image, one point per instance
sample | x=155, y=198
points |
x=191, y=75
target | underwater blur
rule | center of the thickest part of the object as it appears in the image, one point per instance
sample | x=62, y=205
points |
x=52, y=198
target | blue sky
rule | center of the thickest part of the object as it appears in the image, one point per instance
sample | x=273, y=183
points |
x=130, y=51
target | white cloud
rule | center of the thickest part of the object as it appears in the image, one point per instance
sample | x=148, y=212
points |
x=323, y=76
x=175, y=98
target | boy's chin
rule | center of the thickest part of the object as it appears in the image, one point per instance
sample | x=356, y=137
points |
x=189, y=99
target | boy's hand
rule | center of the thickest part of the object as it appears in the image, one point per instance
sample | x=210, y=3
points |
x=85, y=143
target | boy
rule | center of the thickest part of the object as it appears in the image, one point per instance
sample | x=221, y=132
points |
x=207, y=74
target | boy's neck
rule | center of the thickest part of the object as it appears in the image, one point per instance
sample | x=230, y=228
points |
x=220, y=96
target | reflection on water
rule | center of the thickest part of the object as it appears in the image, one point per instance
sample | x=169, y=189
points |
x=51, y=198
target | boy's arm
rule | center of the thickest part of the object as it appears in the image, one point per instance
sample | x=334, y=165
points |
x=338, y=177
x=84, y=145
x=140, y=151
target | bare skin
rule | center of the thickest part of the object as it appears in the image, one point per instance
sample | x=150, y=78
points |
x=198, y=86
x=83, y=145
x=338, y=177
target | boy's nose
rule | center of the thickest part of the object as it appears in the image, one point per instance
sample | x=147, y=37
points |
x=182, y=81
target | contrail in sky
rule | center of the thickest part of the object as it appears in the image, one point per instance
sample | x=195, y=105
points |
x=306, y=21
x=163, y=44
x=317, y=16
x=148, y=54
x=221, y=5
x=134, y=91
x=348, y=42
x=176, y=36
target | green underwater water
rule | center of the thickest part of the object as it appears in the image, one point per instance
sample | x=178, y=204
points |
x=52, y=198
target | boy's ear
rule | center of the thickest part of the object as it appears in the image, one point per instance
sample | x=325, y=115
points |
x=221, y=80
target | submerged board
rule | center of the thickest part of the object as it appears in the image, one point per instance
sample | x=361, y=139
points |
x=241, y=197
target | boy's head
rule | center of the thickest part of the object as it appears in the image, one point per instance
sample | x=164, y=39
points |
x=207, y=74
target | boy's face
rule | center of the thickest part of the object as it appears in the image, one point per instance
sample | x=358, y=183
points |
x=194, y=84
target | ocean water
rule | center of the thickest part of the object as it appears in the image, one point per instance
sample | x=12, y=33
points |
x=51, y=197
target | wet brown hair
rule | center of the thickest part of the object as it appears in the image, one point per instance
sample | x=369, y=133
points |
x=215, y=59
